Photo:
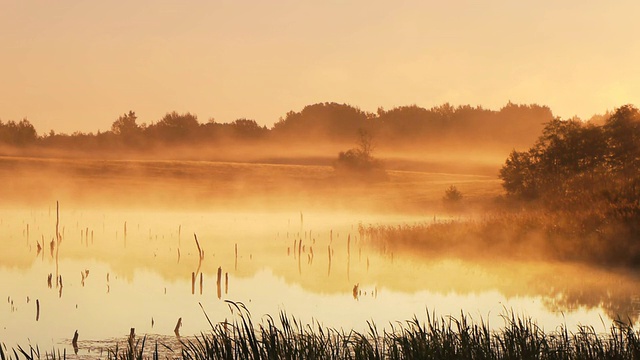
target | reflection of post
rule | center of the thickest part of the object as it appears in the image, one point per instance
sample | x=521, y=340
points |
x=300, y=257
x=348, y=255
x=58, y=242
x=329, y=250
x=200, y=253
x=236, y=261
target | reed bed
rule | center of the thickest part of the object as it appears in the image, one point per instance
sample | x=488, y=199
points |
x=581, y=236
x=433, y=338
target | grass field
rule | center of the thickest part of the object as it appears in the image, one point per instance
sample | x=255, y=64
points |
x=202, y=184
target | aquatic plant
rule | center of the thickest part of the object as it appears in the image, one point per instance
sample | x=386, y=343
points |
x=444, y=337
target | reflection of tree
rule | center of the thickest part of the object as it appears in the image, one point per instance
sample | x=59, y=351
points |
x=619, y=303
x=509, y=250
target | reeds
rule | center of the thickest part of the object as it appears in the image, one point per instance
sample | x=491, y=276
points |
x=528, y=235
x=433, y=338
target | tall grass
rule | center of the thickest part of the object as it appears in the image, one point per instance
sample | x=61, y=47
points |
x=581, y=236
x=433, y=338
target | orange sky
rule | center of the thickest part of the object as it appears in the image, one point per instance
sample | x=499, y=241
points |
x=74, y=65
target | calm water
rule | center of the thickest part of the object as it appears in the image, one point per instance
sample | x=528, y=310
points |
x=115, y=279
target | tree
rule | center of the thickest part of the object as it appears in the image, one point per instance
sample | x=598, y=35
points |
x=622, y=130
x=573, y=162
x=126, y=125
x=18, y=134
x=359, y=159
x=332, y=120
x=174, y=127
x=452, y=195
x=519, y=175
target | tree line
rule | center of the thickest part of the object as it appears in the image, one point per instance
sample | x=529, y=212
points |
x=406, y=126
x=586, y=179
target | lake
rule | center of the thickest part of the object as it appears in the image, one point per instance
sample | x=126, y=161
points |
x=142, y=268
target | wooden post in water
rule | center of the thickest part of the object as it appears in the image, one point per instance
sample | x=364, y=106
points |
x=37, y=309
x=176, y=330
x=226, y=283
x=74, y=342
x=219, y=282
x=193, y=283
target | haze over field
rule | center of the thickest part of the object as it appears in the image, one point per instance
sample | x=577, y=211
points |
x=75, y=66
x=350, y=163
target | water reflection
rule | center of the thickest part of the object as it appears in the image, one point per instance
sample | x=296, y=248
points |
x=141, y=275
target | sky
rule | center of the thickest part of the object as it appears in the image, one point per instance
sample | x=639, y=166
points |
x=76, y=65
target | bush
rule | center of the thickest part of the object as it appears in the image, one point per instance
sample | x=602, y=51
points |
x=452, y=195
